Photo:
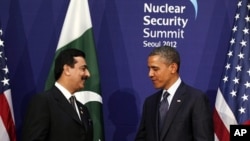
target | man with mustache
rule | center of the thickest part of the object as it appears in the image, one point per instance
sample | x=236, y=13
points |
x=55, y=115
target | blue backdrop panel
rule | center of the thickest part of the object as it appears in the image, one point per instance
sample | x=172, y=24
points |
x=125, y=32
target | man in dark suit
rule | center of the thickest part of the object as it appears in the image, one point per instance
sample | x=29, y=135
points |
x=188, y=114
x=51, y=115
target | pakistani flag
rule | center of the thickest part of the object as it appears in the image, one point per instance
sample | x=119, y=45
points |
x=77, y=33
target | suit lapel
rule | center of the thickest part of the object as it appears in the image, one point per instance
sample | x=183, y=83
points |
x=176, y=103
x=85, y=117
x=156, y=113
x=64, y=104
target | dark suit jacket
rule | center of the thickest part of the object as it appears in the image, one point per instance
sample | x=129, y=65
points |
x=50, y=117
x=189, y=117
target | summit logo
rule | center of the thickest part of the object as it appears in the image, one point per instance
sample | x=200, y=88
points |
x=194, y=2
x=165, y=23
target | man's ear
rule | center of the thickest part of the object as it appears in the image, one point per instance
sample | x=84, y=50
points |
x=66, y=69
x=174, y=67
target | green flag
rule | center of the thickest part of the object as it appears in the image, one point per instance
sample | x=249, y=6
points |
x=77, y=33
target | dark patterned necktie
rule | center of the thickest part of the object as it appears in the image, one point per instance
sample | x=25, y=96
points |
x=72, y=100
x=163, y=109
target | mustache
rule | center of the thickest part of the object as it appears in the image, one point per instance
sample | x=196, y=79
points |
x=85, y=77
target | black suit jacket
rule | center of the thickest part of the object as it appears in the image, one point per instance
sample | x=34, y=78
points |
x=50, y=117
x=189, y=117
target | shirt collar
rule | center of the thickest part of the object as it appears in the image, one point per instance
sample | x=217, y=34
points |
x=173, y=88
x=64, y=91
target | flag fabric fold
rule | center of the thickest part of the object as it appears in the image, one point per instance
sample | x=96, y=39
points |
x=77, y=33
x=232, y=105
x=7, y=121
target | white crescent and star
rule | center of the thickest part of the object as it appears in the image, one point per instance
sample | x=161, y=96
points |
x=88, y=96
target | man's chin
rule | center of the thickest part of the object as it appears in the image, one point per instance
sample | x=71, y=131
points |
x=157, y=87
x=81, y=87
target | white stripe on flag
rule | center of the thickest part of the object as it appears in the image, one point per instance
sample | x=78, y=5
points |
x=225, y=113
x=215, y=138
x=72, y=20
x=7, y=94
x=3, y=131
